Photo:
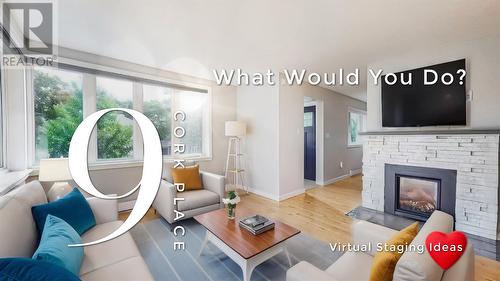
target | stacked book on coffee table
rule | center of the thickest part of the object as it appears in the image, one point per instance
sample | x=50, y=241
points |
x=256, y=224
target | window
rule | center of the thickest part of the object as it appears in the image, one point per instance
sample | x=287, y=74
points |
x=157, y=106
x=115, y=129
x=62, y=96
x=308, y=119
x=194, y=105
x=357, y=123
x=58, y=110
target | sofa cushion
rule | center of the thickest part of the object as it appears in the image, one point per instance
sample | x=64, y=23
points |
x=415, y=266
x=31, y=270
x=132, y=269
x=107, y=253
x=197, y=198
x=56, y=236
x=17, y=227
x=189, y=176
x=383, y=266
x=306, y=271
x=384, y=262
x=72, y=208
x=351, y=266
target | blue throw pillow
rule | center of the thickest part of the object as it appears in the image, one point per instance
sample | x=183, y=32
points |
x=53, y=248
x=23, y=269
x=72, y=208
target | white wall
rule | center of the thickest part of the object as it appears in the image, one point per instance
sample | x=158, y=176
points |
x=291, y=141
x=275, y=141
x=258, y=107
x=483, y=67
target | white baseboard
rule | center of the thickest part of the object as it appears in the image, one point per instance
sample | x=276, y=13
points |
x=330, y=181
x=125, y=206
x=275, y=197
x=263, y=194
x=355, y=172
x=291, y=194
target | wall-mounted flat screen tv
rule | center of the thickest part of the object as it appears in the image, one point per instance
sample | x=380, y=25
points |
x=418, y=105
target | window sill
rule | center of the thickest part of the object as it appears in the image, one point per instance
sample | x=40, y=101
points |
x=11, y=179
x=107, y=165
x=354, y=146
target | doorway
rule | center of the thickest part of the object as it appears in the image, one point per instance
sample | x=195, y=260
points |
x=310, y=143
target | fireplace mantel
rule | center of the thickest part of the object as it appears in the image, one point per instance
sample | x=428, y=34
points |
x=432, y=132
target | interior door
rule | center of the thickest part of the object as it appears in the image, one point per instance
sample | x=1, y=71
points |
x=310, y=143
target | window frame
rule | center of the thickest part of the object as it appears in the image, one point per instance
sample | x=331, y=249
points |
x=90, y=103
x=362, y=113
x=3, y=129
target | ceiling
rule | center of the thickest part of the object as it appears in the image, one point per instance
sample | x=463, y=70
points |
x=196, y=36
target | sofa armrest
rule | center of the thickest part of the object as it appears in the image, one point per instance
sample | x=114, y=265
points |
x=365, y=233
x=306, y=271
x=164, y=201
x=104, y=210
x=214, y=183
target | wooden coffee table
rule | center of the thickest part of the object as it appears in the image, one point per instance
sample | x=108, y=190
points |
x=247, y=250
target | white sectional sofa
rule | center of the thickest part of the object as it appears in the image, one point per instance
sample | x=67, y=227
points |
x=118, y=259
x=412, y=266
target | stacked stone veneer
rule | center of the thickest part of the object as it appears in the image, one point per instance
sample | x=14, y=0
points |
x=474, y=157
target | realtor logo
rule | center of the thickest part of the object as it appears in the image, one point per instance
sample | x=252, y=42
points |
x=29, y=28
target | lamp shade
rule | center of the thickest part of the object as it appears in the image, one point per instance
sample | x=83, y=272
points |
x=235, y=128
x=54, y=169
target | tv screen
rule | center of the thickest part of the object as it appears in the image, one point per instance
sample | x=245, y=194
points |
x=425, y=105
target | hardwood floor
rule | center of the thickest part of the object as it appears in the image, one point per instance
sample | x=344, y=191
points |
x=320, y=213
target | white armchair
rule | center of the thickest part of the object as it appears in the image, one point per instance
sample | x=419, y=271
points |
x=195, y=201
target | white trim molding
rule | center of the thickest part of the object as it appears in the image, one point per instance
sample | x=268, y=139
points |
x=320, y=139
x=334, y=180
x=291, y=194
x=355, y=172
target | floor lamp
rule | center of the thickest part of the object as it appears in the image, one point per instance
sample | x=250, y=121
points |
x=235, y=130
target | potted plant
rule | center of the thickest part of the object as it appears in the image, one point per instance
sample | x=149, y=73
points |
x=231, y=201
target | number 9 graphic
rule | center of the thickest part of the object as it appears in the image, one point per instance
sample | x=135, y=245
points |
x=151, y=171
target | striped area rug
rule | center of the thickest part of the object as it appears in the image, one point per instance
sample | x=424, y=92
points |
x=155, y=242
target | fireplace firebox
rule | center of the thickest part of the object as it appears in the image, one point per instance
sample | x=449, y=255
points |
x=415, y=192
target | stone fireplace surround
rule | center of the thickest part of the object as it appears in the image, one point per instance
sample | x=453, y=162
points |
x=474, y=154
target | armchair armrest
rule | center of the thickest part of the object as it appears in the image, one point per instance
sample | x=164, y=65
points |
x=164, y=201
x=104, y=210
x=364, y=232
x=214, y=183
x=306, y=271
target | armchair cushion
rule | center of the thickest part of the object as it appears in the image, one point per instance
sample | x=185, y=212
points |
x=214, y=183
x=194, y=199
